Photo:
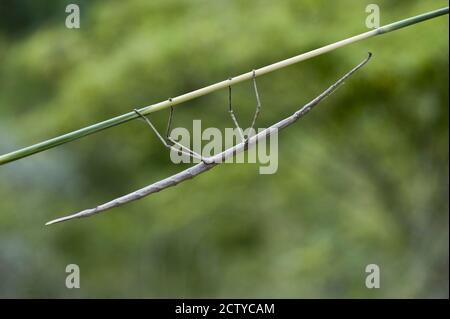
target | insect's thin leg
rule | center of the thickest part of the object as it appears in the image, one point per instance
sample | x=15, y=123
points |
x=258, y=102
x=149, y=123
x=184, y=150
x=193, y=154
x=185, y=153
x=152, y=127
x=169, y=129
x=233, y=116
x=169, y=123
x=168, y=138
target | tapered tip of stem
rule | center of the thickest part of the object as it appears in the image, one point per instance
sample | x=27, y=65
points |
x=83, y=213
x=59, y=220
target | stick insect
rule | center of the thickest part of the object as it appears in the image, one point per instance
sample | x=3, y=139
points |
x=208, y=163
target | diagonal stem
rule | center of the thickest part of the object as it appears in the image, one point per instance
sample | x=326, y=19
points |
x=45, y=145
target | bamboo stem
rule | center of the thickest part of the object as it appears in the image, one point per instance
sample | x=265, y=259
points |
x=45, y=145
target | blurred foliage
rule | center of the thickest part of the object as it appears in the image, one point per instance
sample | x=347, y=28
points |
x=362, y=179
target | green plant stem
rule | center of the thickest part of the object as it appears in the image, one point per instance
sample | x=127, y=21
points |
x=45, y=145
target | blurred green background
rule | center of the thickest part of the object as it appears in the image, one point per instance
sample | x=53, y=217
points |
x=362, y=179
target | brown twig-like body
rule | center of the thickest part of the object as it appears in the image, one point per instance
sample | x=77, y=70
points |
x=212, y=161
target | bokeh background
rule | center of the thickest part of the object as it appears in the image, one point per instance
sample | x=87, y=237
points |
x=362, y=179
